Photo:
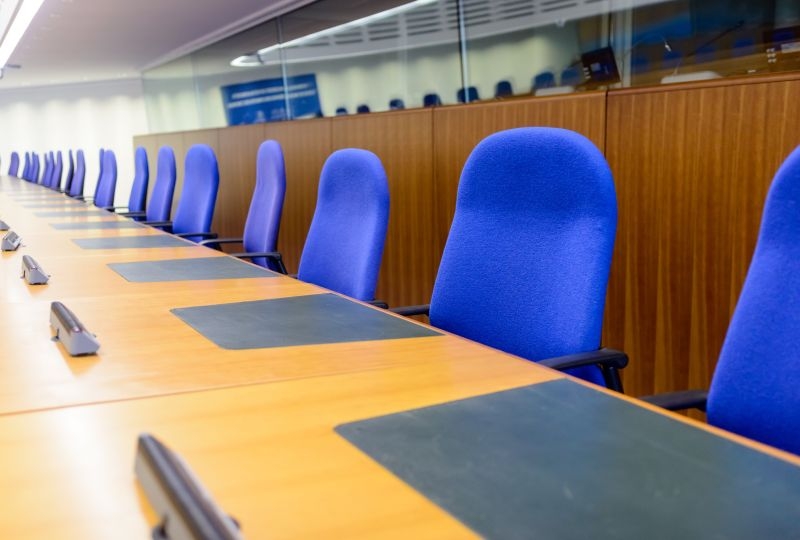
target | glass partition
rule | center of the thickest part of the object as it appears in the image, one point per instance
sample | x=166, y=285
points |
x=349, y=56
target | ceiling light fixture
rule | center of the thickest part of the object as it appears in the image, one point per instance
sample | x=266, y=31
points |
x=22, y=21
x=255, y=59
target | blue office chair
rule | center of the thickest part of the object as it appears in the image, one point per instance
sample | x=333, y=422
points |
x=198, y=197
x=467, y=95
x=396, y=104
x=35, y=168
x=26, y=169
x=545, y=79
x=431, y=100
x=160, y=206
x=362, y=109
x=503, y=89
x=754, y=390
x=99, y=174
x=13, y=166
x=58, y=170
x=46, y=171
x=141, y=176
x=341, y=111
x=536, y=213
x=79, y=176
x=107, y=184
x=260, y=237
x=571, y=76
x=70, y=173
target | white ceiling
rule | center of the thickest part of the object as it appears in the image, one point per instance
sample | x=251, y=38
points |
x=73, y=41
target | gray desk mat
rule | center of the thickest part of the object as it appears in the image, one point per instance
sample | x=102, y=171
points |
x=128, y=242
x=82, y=225
x=66, y=204
x=189, y=270
x=299, y=320
x=559, y=460
x=70, y=212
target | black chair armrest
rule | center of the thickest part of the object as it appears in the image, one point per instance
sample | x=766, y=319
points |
x=165, y=225
x=272, y=255
x=610, y=361
x=83, y=198
x=115, y=208
x=378, y=303
x=679, y=401
x=407, y=311
x=216, y=241
x=132, y=214
x=201, y=234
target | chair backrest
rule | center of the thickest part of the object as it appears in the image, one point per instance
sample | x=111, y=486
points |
x=266, y=206
x=26, y=169
x=341, y=111
x=527, y=259
x=99, y=174
x=396, y=104
x=755, y=390
x=13, y=166
x=160, y=206
x=141, y=177
x=46, y=171
x=58, y=170
x=362, y=109
x=503, y=89
x=76, y=188
x=571, y=76
x=467, y=95
x=70, y=172
x=107, y=185
x=431, y=100
x=199, y=193
x=546, y=79
x=35, y=168
x=344, y=245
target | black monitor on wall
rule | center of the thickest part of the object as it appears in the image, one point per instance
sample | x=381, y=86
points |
x=600, y=67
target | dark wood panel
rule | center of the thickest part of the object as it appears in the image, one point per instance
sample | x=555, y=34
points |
x=403, y=141
x=458, y=129
x=692, y=167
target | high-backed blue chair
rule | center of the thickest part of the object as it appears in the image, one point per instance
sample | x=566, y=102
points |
x=545, y=79
x=571, y=76
x=58, y=170
x=755, y=390
x=141, y=176
x=198, y=197
x=35, y=168
x=341, y=111
x=107, y=184
x=13, y=165
x=70, y=173
x=160, y=206
x=78, y=177
x=99, y=173
x=466, y=95
x=503, y=89
x=431, y=100
x=536, y=210
x=26, y=169
x=46, y=171
x=362, y=109
x=260, y=237
x=396, y=104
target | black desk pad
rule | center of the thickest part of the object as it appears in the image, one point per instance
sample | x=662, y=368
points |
x=82, y=225
x=559, y=460
x=70, y=212
x=299, y=320
x=127, y=242
x=189, y=269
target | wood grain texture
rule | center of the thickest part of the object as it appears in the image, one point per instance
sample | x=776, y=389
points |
x=692, y=167
x=238, y=147
x=403, y=141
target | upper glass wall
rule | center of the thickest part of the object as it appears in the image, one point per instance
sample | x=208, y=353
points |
x=348, y=56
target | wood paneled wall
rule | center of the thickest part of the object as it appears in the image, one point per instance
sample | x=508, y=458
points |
x=692, y=164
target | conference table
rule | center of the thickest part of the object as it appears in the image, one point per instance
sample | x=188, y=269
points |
x=308, y=414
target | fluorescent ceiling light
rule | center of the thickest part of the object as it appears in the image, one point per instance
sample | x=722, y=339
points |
x=21, y=22
x=254, y=59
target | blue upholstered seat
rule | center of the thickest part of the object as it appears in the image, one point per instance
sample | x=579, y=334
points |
x=545, y=79
x=527, y=259
x=341, y=111
x=70, y=172
x=13, y=165
x=46, y=170
x=58, y=170
x=396, y=104
x=199, y=194
x=571, y=76
x=503, y=89
x=160, y=206
x=26, y=169
x=141, y=177
x=35, y=168
x=431, y=100
x=107, y=185
x=79, y=176
x=266, y=206
x=362, y=109
x=344, y=245
x=467, y=95
x=101, y=163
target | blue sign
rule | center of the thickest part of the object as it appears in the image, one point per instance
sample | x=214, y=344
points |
x=266, y=100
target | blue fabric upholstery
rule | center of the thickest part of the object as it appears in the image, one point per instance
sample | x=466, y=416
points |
x=99, y=174
x=58, y=170
x=546, y=79
x=160, y=206
x=467, y=95
x=341, y=111
x=266, y=206
x=344, y=246
x=13, y=166
x=35, y=168
x=571, y=76
x=46, y=171
x=362, y=109
x=199, y=194
x=70, y=172
x=503, y=89
x=26, y=169
x=104, y=194
x=526, y=262
x=756, y=386
x=396, y=104
x=76, y=189
x=431, y=100
x=141, y=177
